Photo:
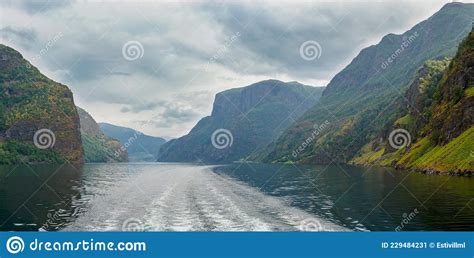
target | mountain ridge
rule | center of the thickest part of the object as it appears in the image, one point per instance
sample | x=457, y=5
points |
x=438, y=119
x=361, y=99
x=140, y=147
x=248, y=117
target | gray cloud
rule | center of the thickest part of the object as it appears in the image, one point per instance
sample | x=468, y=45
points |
x=191, y=50
x=36, y=6
x=138, y=107
x=172, y=115
x=178, y=114
x=24, y=37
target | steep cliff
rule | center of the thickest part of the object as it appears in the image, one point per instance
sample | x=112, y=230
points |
x=364, y=98
x=97, y=146
x=438, y=119
x=38, y=119
x=243, y=121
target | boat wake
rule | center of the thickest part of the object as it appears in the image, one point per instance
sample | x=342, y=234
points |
x=192, y=198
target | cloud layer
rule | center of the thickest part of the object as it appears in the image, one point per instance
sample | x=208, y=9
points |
x=190, y=50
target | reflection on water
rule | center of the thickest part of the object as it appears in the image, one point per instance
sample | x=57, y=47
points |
x=29, y=195
x=233, y=197
x=381, y=199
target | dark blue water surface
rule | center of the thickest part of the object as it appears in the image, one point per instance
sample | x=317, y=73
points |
x=235, y=197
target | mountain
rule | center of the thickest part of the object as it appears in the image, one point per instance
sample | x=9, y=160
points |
x=38, y=119
x=140, y=147
x=98, y=147
x=363, y=99
x=437, y=115
x=243, y=120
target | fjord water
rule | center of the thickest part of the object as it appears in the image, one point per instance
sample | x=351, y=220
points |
x=236, y=197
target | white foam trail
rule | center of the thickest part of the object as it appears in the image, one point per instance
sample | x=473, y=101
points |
x=191, y=198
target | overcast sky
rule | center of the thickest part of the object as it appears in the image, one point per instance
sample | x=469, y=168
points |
x=156, y=66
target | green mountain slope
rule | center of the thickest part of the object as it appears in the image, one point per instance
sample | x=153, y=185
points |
x=98, y=147
x=140, y=147
x=243, y=121
x=439, y=118
x=364, y=98
x=38, y=119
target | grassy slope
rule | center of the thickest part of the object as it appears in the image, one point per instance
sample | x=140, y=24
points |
x=100, y=149
x=354, y=99
x=434, y=148
x=456, y=156
x=97, y=146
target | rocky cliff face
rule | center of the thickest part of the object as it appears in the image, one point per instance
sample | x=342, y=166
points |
x=97, y=146
x=453, y=112
x=235, y=102
x=243, y=120
x=363, y=99
x=438, y=119
x=38, y=119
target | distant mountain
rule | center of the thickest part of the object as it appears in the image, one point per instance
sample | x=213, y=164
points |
x=243, y=121
x=363, y=99
x=98, y=147
x=437, y=115
x=38, y=119
x=141, y=147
